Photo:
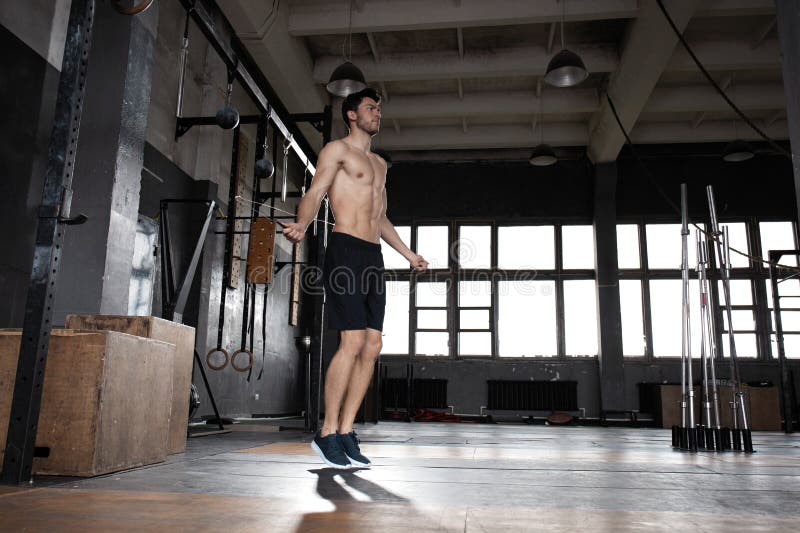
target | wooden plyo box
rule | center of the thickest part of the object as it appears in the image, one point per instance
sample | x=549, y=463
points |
x=181, y=373
x=104, y=401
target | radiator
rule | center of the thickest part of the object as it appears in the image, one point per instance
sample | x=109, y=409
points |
x=532, y=395
x=426, y=393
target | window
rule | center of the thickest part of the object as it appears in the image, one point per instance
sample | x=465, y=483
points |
x=580, y=317
x=433, y=245
x=526, y=318
x=664, y=246
x=526, y=247
x=737, y=234
x=790, y=318
x=630, y=300
x=778, y=236
x=431, y=336
x=628, y=246
x=391, y=258
x=475, y=246
x=474, y=318
x=666, y=310
x=577, y=245
x=742, y=317
x=395, y=329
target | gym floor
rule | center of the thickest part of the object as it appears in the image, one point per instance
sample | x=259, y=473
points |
x=431, y=477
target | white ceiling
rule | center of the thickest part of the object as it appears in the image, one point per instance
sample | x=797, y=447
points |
x=467, y=74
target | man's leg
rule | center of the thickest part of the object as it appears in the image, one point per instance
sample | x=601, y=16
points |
x=340, y=373
x=359, y=381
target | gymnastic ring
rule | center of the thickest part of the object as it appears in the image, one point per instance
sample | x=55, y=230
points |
x=135, y=10
x=242, y=368
x=213, y=351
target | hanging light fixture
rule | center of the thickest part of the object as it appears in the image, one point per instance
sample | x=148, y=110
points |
x=737, y=150
x=347, y=78
x=543, y=154
x=566, y=68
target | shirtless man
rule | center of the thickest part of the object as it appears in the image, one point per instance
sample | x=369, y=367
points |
x=354, y=179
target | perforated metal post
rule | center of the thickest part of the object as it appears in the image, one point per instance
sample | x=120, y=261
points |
x=53, y=213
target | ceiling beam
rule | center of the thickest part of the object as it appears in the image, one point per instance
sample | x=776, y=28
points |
x=325, y=17
x=331, y=17
x=648, y=50
x=551, y=36
x=562, y=134
x=373, y=47
x=763, y=32
x=688, y=99
x=715, y=55
x=460, y=38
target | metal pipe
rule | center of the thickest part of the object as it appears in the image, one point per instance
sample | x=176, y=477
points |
x=687, y=385
x=723, y=253
x=285, y=181
x=704, y=340
x=184, y=56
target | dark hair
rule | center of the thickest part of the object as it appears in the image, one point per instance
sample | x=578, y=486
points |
x=353, y=100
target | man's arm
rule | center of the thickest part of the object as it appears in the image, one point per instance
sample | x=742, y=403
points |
x=328, y=162
x=392, y=238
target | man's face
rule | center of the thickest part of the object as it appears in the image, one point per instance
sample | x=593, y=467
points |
x=368, y=116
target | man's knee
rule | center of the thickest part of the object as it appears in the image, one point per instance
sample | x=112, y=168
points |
x=352, y=342
x=372, y=345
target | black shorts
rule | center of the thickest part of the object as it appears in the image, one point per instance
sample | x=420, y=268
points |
x=355, y=290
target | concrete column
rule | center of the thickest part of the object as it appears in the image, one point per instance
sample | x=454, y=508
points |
x=610, y=360
x=96, y=269
x=788, y=12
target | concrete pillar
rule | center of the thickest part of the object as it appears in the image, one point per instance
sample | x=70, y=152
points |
x=96, y=269
x=788, y=12
x=610, y=360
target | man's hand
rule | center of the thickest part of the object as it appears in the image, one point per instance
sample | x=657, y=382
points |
x=418, y=263
x=294, y=231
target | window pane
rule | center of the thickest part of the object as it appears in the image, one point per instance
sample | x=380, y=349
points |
x=429, y=319
x=790, y=320
x=392, y=259
x=742, y=320
x=628, y=246
x=527, y=318
x=664, y=247
x=791, y=347
x=580, y=317
x=474, y=294
x=431, y=294
x=432, y=244
x=474, y=319
x=472, y=343
x=577, y=245
x=475, y=246
x=777, y=236
x=786, y=288
x=526, y=247
x=395, y=327
x=630, y=300
x=667, y=316
x=737, y=233
x=745, y=345
x=741, y=293
x=432, y=343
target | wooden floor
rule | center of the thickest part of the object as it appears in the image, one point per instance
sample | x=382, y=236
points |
x=432, y=477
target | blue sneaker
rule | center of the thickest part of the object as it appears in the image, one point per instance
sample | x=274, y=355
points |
x=349, y=442
x=330, y=450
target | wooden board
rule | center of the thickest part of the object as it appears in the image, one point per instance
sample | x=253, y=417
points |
x=105, y=401
x=261, y=251
x=240, y=209
x=150, y=327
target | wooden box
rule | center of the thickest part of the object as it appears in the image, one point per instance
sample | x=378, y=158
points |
x=762, y=405
x=104, y=401
x=162, y=330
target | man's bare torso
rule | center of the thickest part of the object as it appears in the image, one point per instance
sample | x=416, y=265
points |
x=356, y=194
